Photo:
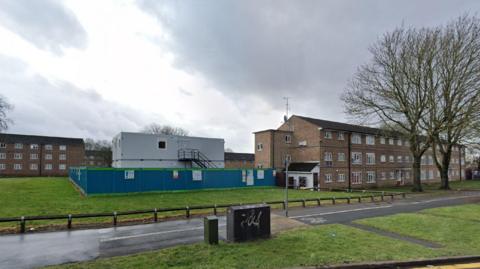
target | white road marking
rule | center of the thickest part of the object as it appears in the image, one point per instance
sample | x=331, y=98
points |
x=341, y=211
x=155, y=233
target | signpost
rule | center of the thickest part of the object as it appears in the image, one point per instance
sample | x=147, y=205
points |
x=249, y=222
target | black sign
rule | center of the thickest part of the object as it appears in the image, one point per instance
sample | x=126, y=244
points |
x=248, y=222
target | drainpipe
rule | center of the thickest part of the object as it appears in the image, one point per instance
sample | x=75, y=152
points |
x=349, y=158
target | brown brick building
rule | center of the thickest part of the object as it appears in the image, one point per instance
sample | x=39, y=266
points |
x=31, y=155
x=239, y=160
x=330, y=154
x=98, y=158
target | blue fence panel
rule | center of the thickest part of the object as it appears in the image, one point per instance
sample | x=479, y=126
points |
x=97, y=181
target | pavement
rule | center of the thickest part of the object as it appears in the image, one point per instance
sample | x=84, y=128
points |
x=40, y=249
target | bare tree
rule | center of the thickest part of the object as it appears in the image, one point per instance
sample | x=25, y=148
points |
x=103, y=149
x=155, y=128
x=4, y=107
x=454, y=116
x=393, y=88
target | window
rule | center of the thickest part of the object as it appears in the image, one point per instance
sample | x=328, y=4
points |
x=370, y=177
x=62, y=166
x=430, y=174
x=17, y=166
x=17, y=156
x=370, y=140
x=33, y=166
x=259, y=147
x=399, y=142
x=407, y=144
x=384, y=176
x=3, y=145
x=33, y=156
x=341, y=136
x=328, y=178
x=423, y=175
x=63, y=147
x=383, y=158
x=3, y=166
x=430, y=159
x=48, y=147
x=407, y=159
x=392, y=175
x=407, y=175
x=399, y=158
x=162, y=144
x=341, y=178
x=341, y=156
x=288, y=139
x=328, y=134
x=356, y=177
x=34, y=146
x=260, y=166
x=370, y=158
x=48, y=166
x=390, y=141
x=3, y=155
x=356, y=139
x=302, y=143
x=18, y=146
x=356, y=157
x=48, y=156
x=391, y=158
x=438, y=173
x=62, y=157
x=328, y=159
x=382, y=140
x=422, y=160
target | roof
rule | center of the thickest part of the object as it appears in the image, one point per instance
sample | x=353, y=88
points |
x=325, y=124
x=302, y=167
x=272, y=130
x=233, y=156
x=37, y=139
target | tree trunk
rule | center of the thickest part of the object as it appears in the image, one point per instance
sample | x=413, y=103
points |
x=417, y=183
x=444, y=182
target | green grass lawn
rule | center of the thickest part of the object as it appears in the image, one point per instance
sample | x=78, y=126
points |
x=454, y=185
x=321, y=245
x=49, y=196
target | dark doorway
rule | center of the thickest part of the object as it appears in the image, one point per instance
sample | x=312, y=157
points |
x=315, y=181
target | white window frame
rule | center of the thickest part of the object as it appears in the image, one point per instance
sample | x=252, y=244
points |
x=383, y=158
x=341, y=178
x=391, y=158
x=370, y=158
x=392, y=174
x=399, y=159
x=328, y=178
x=356, y=158
x=62, y=166
x=407, y=158
x=17, y=156
x=3, y=155
x=33, y=146
x=259, y=146
x=356, y=178
x=62, y=157
x=3, y=166
x=33, y=156
x=48, y=156
x=399, y=142
x=17, y=166
x=64, y=147
x=382, y=140
x=49, y=147
x=33, y=166
x=356, y=139
x=341, y=156
x=371, y=177
x=18, y=146
x=3, y=145
x=327, y=134
x=288, y=139
x=370, y=140
x=341, y=136
x=383, y=175
x=391, y=141
x=48, y=166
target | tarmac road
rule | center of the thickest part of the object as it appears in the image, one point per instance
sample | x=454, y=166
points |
x=41, y=249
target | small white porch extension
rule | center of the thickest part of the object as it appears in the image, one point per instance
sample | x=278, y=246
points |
x=304, y=175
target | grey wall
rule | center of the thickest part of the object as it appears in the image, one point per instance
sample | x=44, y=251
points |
x=141, y=150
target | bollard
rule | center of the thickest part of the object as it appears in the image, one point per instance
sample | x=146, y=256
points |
x=403, y=195
x=215, y=209
x=155, y=215
x=359, y=199
x=303, y=203
x=115, y=218
x=318, y=201
x=391, y=195
x=22, y=224
x=348, y=200
x=187, y=212
x=372, y=198
x=382, y=197
x=69, y=223
x=210, y=230
x=283, y=205
x=333, y=200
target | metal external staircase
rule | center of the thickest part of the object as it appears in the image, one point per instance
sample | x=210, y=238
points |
x=194, y=155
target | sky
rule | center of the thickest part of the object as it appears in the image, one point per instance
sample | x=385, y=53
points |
x=91, y=69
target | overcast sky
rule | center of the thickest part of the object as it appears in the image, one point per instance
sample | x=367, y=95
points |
x=216, y=68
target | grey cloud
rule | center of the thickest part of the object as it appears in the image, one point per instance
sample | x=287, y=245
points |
x=303, y=49
x=46, y=24
x=59, y=108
